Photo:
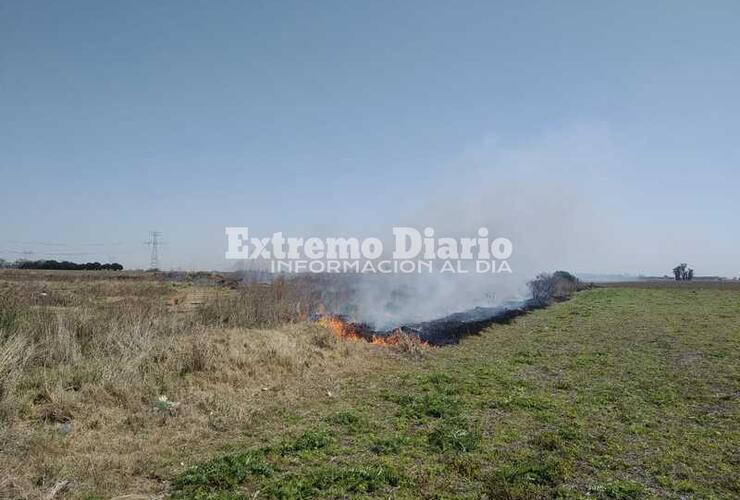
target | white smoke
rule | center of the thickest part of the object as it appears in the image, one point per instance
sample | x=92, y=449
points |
x=543, y=196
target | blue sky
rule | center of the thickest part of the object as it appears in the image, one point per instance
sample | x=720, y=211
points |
x=121, y=117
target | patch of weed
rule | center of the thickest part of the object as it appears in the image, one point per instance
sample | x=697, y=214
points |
x=620, y=489
x=453, y=434
x=310, y=440
x=335, y=480
x=427, y=405
x=390, y=445
x=220, y=476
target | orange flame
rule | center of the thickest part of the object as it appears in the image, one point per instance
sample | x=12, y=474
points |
x=340, y=327
x=347, y=330
x=392, y=339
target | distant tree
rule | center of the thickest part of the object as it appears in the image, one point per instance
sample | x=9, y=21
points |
x=683, y=272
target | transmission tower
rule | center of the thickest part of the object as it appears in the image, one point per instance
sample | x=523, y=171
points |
x=155, y=240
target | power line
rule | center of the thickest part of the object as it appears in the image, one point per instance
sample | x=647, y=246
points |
x=54, y=244
x=48, y=254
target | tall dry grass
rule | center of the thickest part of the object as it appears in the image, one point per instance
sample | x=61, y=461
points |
x=81, y=377
x=128, y=350
x=262, y=304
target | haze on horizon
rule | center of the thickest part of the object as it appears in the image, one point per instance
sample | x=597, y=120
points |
x=599, y=138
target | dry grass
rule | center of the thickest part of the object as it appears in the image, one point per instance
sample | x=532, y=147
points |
x=260, y=304
x=84, y=364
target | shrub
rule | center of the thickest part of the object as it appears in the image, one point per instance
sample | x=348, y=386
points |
x=546, y=288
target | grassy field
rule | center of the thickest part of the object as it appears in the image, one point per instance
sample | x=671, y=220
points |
x=618, y=393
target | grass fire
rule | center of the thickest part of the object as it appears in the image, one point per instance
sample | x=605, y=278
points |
x=402, y=250
x=359, y=331
x=139, y=361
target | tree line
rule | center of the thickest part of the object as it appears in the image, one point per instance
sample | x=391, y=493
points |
x=61, y=266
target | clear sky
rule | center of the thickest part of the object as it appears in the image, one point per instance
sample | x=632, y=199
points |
x=121, y=117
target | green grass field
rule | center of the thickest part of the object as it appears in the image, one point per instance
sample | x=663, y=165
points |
x=617, y=393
